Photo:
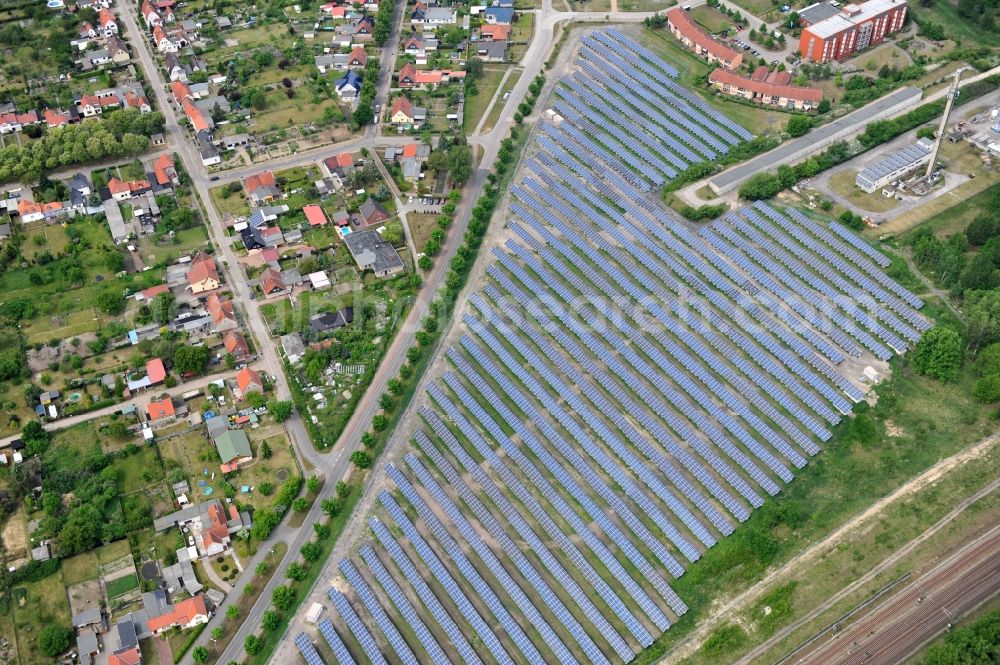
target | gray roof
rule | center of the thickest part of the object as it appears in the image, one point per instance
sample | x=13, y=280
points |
x=493, y=50
x=292, y=344
x=87, y=617
x=155, y=603
x=223, y=21
x=216, y=426
x=126, y=632
x=86, y=644
x=371, y=252
x=818, y=12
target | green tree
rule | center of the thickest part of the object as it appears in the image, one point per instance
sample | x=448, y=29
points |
x=255, y=399
x=760, y=186
x=162, y=307
x=312, y=485
x=311, y=551
x=82, y=529
x=798, y=124
x=191, y=359
x=54, y=640
x=270, y=620
x=200, y=654
x=361, y=459
x=938, y=354
x=217, y=633
x=280, y=410
x=252, y=645
x=987, y=389
x=988, y=361
x=982, y=317
x=110, y=301
x=300, y=505
x=261, y=569
x=232, y=612
x=295, y=571
x=283, y=598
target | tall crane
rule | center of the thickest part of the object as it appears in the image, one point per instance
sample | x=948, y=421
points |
x=952, y=94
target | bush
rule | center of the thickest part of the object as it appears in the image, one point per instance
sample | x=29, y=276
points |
x=54, y=640
x=798, y=125
x=987, y=389
x=938, y=354
x=760, y=186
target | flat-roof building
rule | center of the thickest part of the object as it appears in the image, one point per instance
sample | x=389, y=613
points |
x=853, y=28
x=892, y=167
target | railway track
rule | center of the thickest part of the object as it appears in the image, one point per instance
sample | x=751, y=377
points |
x=926, y=608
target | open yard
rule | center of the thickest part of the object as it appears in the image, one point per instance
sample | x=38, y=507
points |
x=711, y=18
x=421, y=226
x=184, y=243
x=945, y=13
x=842, y=183
x=497, y=108
x=230, y=203
x=476, y=105
x=35, y=605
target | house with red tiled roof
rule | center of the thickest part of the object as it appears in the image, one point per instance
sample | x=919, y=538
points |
x=403, y=112
x=694, y=37
x=165, y=171
x=14, y=122
x=315, y=215
x=271, y=283
x=86, y=31
x=248, y=380
x=131, y=656
x=496, y=32
x=203, y=275
x=156, y=372
x=180, y=91
x=33, y=212
x=55, y=118
x=261, y=188
x=107, y=22
x=152, y=292
x=122, y=190
x=765, y=87
x=185, y=614
x=414, y=44
x=161, y=409
x=134, y=101
x=199, y=122
x=358, y=57
x=163, y=43
x=235, y=343
x=222, y=312
x=341, y=164
x=150, y=15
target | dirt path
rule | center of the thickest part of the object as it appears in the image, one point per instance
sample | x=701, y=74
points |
x=730, y=608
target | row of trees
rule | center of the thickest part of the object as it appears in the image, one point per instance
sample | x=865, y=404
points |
x=120, y=133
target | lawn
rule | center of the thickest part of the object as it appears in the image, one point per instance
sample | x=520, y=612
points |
x=36, y=605
x=711, y=18
x=842, y=183
x=139, y=470
x=73, y=448
x=945, y=13
x=486, y=85
x=122, y=585
x=421, y=226
x=184, y=243
x=523, y=28
x=233, y=204
x=495, y=110
x=281, y=112
x=80, y=568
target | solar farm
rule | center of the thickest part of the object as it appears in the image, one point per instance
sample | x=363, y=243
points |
x=623, y=391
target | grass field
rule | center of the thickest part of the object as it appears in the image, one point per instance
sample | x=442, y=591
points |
x=956, y=218
x=421, y=226
x=497, y=108
x=139, y=470
x=711, y=18
x=36, y=605
x=184, y=243
x=122, y=585
x=945, y=13
x=842, y=183
x=80, y=568
x=233, y=204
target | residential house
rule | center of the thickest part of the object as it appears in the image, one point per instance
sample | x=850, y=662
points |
x=150, y=15
x=358, y=57
x=161, y=410
x=437, y=15
x=499, y=15
x=271, y=283
x=247, y=381
x=34, y=212
x=79, y=192
x=164, y=170
x=185, y=614
x=694, y=37
x=208, y=523
x=175, y=70
x=492, y=51
x=236, y=344
x=371, y=213
x=315, y=215
x=371, y=252
x=414, y=44
x=767, y=87
x=163, y=43
x=209, y=153
x=14, y=122
x=327, y=321
x=293, y=347
x=106, y=20
x=233, y=447
x=328, y=62
x=496, y=32
x=222, y=312
x=348, y=86
x=55, y=118
x=403, y=112
x=86, y=31
x=203, y=275
x=117, y=49
x=125, y=190
x=363, y=29
x=341, y=165
x=261, y=188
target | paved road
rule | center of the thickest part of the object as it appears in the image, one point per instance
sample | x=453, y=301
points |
x=141, y=402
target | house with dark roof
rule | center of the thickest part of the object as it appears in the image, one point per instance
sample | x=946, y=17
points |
x=348, y=86
x=499, y=15
x=371, y=213
x=327, y=321
x=371, y=252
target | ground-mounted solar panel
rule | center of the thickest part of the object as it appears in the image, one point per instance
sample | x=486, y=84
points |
x=857, y=243
x=520, y=525
x=382, y=620
x=357, y=627
x=336, y=644
x=308, y=651
x=423, y=591
x=398, y=598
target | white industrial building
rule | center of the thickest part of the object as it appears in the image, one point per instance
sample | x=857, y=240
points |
x=893, y=167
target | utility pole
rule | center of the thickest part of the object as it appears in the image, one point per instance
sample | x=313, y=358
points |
x=952, y=94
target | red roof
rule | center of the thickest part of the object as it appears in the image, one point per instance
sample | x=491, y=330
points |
x=358, y=56
x=343, y=160
x=180, y=91
x=116, y=186
x=56, y=118
x=154, y=291
x=156, y=371
x=158, y=35
x=410, y=150
x=497, y=32
x=246, y=378
x=401, y=104
x=202, y=268
x=269, y=254
x=682, y=21
x=235, y=344
x=130, y=657
x=195, y=116
x=147, y=10
x=315, y=215
x=220, y=308
x=106, y=17
x=764, y=88
x=161, y=409
x=162, y=168
x=183, y=613
x=29, y=207
x=262, y=179
x=408, y=71
x=270, y=281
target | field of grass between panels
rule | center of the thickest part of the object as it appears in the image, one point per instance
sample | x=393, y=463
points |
x=915, y=422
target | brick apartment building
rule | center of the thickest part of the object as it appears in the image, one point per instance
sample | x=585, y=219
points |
x=683, y=27
x=834, y=32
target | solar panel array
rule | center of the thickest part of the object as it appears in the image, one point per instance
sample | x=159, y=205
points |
x=624, y=392
x=895, y=163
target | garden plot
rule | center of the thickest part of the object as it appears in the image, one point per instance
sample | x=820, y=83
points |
x=573, y=460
